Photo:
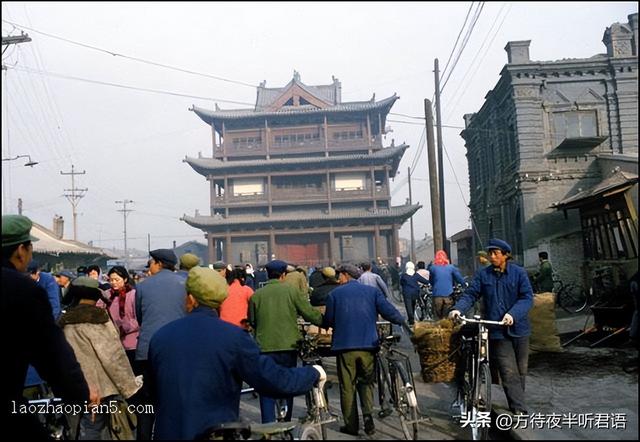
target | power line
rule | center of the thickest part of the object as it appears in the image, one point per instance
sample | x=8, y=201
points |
x=140, y=60
x=464, y=45
x=446, y=65
x=467, y=83
x=106, y=83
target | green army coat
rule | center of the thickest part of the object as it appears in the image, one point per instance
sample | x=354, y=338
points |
x=273, y=314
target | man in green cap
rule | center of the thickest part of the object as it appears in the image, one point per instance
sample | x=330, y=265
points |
x=33, y=336
x=198, y=364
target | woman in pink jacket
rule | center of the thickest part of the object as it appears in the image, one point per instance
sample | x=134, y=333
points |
x=122, y=309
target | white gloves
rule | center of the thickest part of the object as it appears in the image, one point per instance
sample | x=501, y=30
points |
x=323, y=374
x=508, y=319
x=454, y=315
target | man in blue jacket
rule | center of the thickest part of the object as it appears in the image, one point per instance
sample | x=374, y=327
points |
x=352, y=310
x=159, y=300
x=198, y=364
x=507, y=295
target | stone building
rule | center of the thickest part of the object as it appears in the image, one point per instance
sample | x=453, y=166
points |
x=548, y=131
x=302, y=177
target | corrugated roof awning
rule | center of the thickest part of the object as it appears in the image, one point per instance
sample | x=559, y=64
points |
x=618, y=182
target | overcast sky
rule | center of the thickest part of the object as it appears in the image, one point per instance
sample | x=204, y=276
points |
x=131, y=142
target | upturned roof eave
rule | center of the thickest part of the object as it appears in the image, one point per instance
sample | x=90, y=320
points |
x=211, y=223
x=210, y=117
x=199, y=164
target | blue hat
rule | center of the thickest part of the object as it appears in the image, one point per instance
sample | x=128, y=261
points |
x=66, y=273
x=496, y=243
x=276, y=266
x=165, y=256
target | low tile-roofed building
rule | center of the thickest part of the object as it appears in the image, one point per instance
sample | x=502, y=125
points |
x=54, y=252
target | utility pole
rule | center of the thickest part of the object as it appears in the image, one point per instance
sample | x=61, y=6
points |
x=12, y=40
x=6, y=182
x=436, y=219
x=413, y=244
x=75, y=197
x=19, y=206
x=124, y=211
x=440, y=152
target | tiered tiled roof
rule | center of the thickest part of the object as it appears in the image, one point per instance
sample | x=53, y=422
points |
x=218, y=116
x=299, y=217
x=390, y=155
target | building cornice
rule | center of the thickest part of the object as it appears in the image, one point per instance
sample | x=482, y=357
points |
x=335, y=218
x=388, y=156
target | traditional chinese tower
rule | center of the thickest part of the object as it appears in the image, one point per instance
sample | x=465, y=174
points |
x=302, y=177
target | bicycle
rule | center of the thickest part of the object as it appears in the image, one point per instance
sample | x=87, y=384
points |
x=474, y=389
x=56, y=423
x=571, y=298
x=249, y=431
x=318, y=413
x=395, y=385
x=423, y=310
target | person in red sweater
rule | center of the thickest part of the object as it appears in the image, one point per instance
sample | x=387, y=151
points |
x=234, y=308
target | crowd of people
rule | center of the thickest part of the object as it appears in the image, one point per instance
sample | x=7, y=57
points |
x=185, y=339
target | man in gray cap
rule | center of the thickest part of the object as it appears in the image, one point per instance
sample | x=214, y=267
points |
x=221, y=268
x=273, y=314
x=32, y=335
x=507, y=295
x=352, y=310
x=159, y=300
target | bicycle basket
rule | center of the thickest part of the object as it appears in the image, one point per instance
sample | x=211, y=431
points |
x=436, y=346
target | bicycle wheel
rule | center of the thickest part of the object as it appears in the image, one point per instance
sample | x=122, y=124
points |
x=481, y=402
x=310, y=432
x=572, y=298
x=419, y=312
x=385, y=394
x=408, y=409
x=429, y=310
x=465, y=389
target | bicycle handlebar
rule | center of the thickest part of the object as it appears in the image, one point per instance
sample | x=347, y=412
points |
x=464, y=320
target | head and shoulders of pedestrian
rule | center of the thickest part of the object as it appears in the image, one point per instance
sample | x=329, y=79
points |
x=500, y=256
x=17, y=247
x=186, y=262
x=85, y=293
x=205, y=291
x=236, y=279
x=161, y=264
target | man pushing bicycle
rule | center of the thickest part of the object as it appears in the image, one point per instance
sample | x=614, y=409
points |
x=507, y=296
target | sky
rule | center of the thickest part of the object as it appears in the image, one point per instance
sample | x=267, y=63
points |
x=78, y=95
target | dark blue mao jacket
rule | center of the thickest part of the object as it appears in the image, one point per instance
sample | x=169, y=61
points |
x=197, y=366
x=508, y=292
